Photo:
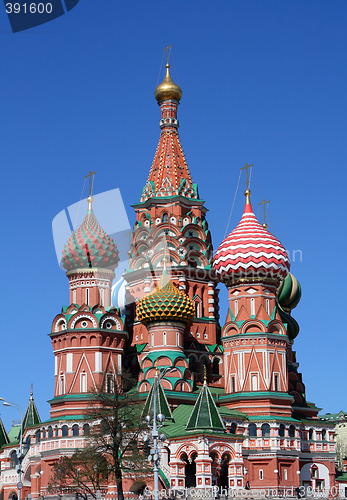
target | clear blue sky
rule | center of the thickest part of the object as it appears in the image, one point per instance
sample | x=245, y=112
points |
x=263, y=82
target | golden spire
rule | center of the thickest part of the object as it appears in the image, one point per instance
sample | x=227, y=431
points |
x=264, y=211
x=32, y=392
x=247, y=192
x=90, y=198
x=167, y=89
x=205, y=375
x=156, y=367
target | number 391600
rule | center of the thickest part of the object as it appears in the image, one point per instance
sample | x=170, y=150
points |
x=30, y=8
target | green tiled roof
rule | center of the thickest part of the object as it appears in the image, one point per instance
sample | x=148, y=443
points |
x=31, y=417
x=14, y=434
x=162, y=406
x=205, y=414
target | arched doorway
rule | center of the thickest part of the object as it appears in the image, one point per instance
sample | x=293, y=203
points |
x=215, y=468
x=224, y=471
x=189, y=470
x=13, y=496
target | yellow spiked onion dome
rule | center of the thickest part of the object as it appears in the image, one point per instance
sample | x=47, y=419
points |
x=165, y=303
x=167, y=89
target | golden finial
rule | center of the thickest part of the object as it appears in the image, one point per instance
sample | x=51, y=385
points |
x=247, y=192
x=264, y=211
x=90, y=198
x=156, y=367
x=205, y=375
x=31, y=392
x=167, y=48
x=167, y=89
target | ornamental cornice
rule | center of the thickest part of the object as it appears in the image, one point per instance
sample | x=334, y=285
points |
x=91, y=272
x=261, y=339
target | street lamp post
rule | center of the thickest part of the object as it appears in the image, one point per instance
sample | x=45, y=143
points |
x=20, y=455
x=155, y=424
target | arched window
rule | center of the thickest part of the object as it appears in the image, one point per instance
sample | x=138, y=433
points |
x=254, y=380
x=164, y=338
x=74, y=296
x=267, y=302
x=252, y=430
x=310, y=434
x=192, y=364
x=236, y=307
x=102, y=297
x=38, y=436
x=75, y=430
x=13, y=460
x=252, y=307
x=87, y=296
x=265, y=430
x=64, y=431
x=109, y=383
x=50, y=432
x=83, y=382
x=324, y=435
x=165, y=217
x=233, y=428
x=291, y=431
x=281, y=430
x=61, y=384
x=26, y=445
x=86, y=430
x=216, y=366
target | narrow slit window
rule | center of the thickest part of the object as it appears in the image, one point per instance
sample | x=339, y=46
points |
x=268, y=306
x=252, y=307
x=233, y=387
x=236, y=307
x=87, y=296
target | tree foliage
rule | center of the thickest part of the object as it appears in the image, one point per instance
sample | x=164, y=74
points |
x=117, y=433
x=115, y=444
x=85, y=472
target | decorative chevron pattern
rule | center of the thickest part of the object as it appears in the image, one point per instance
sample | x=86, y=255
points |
x=251, y=251
x=90, y=247
x=165, y=303
x=169, y=175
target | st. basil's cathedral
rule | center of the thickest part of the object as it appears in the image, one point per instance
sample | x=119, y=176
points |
x=235, y=403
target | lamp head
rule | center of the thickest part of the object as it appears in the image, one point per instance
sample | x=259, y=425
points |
x=161, y=418
x=148, y=419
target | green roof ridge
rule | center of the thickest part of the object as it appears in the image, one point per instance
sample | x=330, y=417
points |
x=205, y=414
x=3, y=435
x=31, y=417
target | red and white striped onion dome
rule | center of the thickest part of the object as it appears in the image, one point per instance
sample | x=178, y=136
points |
x=251, y=252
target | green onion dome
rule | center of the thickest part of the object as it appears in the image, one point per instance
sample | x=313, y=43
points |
x=289, y=293
x=90, y=246
x=165, y=303
x=291, y=324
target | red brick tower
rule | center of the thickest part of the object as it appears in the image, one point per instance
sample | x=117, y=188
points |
x=252, y=262
x=170, y=218
x=88, y=336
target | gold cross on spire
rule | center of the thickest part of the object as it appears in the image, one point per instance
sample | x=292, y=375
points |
x=90, y=181
x=246, y=167
x=167, y=48
x=264, y=211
